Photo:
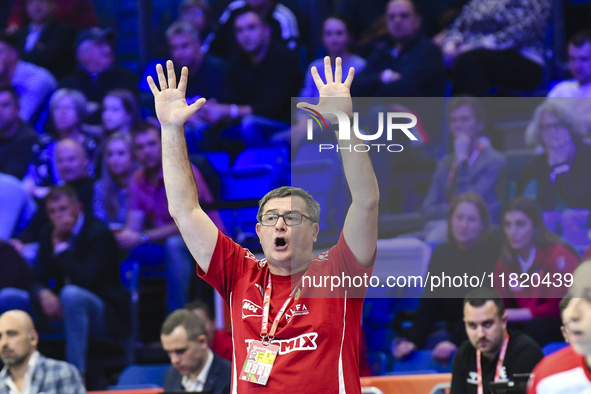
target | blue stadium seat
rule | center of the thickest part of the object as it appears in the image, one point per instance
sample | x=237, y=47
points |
x=377, y=362
x=553, y=347
x=141, y=376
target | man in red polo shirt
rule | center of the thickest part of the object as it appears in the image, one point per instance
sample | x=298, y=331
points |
x=284, y=339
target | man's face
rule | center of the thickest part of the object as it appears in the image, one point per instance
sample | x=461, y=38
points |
x=63, y=210
x=16, y=342
x=184, y=50
x=148, y=149
x=187, y=356
x=577, y=315
x=463, y=122
x=555, y=134
x=9, y=111
x=40, y=11
x=285, y=245
x=403, y=22
x=8, y=59
x=579, y=62
x=71, y=161
x=485, y=329
x=64, y=114
x=95, y=56
x=251, y=33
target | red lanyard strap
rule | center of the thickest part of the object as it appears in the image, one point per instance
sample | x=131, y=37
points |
x=499, y=363
x=266, y=306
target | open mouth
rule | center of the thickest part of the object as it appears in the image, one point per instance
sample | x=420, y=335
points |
x=280, y=242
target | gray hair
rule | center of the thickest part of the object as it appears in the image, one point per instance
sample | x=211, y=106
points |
x=561, y=111
x=287, y=191
x=182, y=27
x=80, y=101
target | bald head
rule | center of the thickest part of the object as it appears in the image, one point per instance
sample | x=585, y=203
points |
x=582, y=280
x=18, y=338
x=71, y=160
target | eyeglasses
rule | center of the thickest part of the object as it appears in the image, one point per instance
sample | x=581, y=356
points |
x=290, y=219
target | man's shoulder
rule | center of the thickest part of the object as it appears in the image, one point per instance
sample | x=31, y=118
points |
x=493, y=155
x=561, y=361
x=464, y=353
x=222, y=365
x=520, y=342
x=29, y=74
x=56, y=368
x=568, y=88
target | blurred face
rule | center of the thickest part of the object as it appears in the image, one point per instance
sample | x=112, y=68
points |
x=40, y=11
x=519, y=230
x=577, y=315
x=403, y=22
x=466, y=224
x=579, y=62
x=251, y=34
x=9, y=112
x=8, y=59
x=188, y=357
x=71, y=161
x=115, y=117
x=335, y=37
x=184, y=50
x=148, y=149
x=118, y=158
x=463, y=122
x=195, y=16
x=485, y=329
x=95, y=55
x=63, y=210
x=283, y=245
x=17, y=343
x=555, y=134
x=65, y=116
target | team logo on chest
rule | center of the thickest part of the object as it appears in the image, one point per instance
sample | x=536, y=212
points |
x=250, y=309
x=296, y=310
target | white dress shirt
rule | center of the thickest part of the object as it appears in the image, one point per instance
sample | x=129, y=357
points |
x=12, y=389
x=198, y=383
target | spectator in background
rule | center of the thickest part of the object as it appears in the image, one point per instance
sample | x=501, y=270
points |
x=17, y=207
x=564, y=318
x=261, y=82
x=561, y=170
x=413, y=66
x=32, y=83
x=110, y=199
x=46, y=41
x=281, y=21
x=501, y=352
x=120, y=112
x=15, y=279
x=195, y=367
x=16, y=137
x=494, y=44
x=80, y=253
x=207, y=78
x=148, y=219
x=567, y=371
x=220, y=341
x=25, y=369
x=337, y=40
x=472, y=166
x=97, y=73
x=198, y=14
x=528, y=248
x=67, y=108
x=79, y=14
x=72, y=162
x=470, y=250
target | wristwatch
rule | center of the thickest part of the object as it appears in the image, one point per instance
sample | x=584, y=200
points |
x=144, y=238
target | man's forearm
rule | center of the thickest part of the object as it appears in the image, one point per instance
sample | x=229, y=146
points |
x=181, y=190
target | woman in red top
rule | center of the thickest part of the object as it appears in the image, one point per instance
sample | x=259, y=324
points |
x=533, y=271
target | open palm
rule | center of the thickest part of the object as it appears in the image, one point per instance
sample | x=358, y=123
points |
x=334, y=94
x=169, y=100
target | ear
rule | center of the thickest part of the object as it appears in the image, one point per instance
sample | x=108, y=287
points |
x=315, y=231
x=505, y=319
x=34, y=337
x=258, y=230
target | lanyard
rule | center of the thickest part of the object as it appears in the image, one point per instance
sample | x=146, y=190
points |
x=499, y=364
x=266, y=338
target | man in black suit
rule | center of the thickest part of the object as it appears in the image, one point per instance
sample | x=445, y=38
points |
x=46, y=41
x=194, y=366
x=80, y=253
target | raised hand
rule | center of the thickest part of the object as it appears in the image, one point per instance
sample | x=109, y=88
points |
x=334, y=94
x=171, y=105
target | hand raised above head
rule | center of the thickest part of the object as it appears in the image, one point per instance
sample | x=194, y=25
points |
x=171, y=105
x=334, y=94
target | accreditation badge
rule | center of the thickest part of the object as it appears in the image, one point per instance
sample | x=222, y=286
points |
x=259, y=362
